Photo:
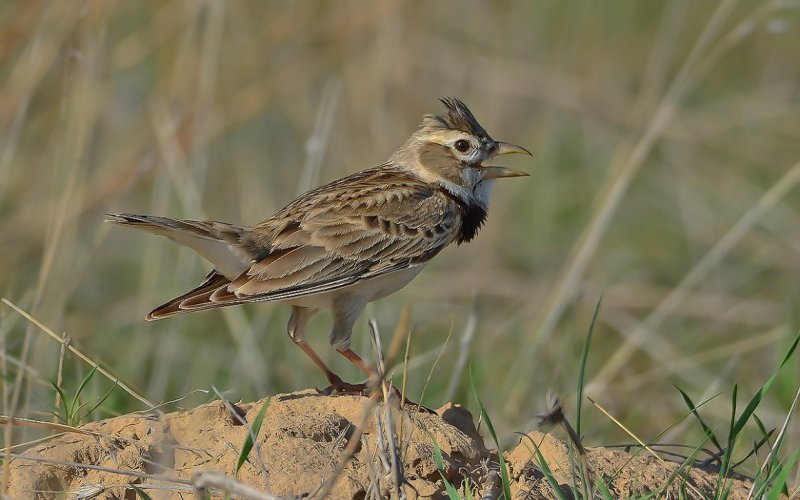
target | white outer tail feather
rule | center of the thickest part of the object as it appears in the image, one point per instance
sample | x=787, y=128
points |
x=223, y=256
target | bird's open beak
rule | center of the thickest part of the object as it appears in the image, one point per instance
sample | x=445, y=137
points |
x=505, y=148
x=497, y=172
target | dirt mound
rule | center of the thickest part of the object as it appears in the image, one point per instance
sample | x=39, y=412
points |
x=301, y=447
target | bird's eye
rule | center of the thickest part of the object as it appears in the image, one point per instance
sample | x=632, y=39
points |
x=462, y=145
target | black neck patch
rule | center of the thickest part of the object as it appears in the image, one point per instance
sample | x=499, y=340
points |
x=473, y=215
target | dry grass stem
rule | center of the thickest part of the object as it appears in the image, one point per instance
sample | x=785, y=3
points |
x=110, y=470
x=620, y=176
x=699, y=272
x=78, y=353
x=202, y=481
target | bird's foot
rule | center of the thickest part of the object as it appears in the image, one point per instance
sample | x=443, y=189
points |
x=339, y=386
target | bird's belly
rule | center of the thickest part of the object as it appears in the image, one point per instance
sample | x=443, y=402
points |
x=369, y=290
x=379, y=288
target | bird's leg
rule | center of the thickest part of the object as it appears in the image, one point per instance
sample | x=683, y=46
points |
x=359, y=362
x=296, y=330
x=346, y=310
x=338, y=386
x=373, y=375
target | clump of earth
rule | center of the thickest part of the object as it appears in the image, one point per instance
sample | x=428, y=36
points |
x=334, y=446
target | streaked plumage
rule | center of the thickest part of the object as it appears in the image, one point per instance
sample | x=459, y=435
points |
x=349, y=242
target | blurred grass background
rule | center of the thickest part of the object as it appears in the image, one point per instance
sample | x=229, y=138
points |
x=666, y=140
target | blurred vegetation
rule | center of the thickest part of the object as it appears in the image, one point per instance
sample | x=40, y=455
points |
x=666, y=139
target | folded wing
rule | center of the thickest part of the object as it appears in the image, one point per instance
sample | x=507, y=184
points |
x=361, y=227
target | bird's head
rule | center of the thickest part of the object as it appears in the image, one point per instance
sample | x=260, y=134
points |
x=451, y=149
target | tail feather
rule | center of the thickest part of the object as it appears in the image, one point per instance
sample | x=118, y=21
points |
x=213, y=230
x=217, y=242
x=192, y=300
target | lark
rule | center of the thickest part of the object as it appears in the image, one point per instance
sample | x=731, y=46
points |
x=349, y=242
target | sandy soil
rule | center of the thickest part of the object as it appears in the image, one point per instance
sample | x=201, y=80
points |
x=301, y=445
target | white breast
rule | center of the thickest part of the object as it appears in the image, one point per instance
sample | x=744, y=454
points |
x=369, y=290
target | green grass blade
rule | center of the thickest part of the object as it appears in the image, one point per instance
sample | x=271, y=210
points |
x=574, y=474
x=582, y=371
x=251, y=434
x=467, y=489
x=756, y=446
x=81, y=387
x=485, y=416
x=545, y=467
x=759, y=395
x=687, y=462
x=737, y=424
x=603, y=488
x=693, y=409
x=64, y=404
x=726, y=457
x=761, y=427
x=764, y=484
x=452, y=493
x=779, y=485
x=732, y=426
x=140, y=492
x=96, y=405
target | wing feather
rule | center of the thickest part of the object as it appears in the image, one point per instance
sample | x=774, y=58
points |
x=361, y=227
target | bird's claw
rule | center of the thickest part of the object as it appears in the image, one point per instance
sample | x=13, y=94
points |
x=342, y=387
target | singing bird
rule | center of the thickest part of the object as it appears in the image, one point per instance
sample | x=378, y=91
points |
x=349, y=242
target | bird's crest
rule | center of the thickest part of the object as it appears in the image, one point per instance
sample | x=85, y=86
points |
x=457, y=117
